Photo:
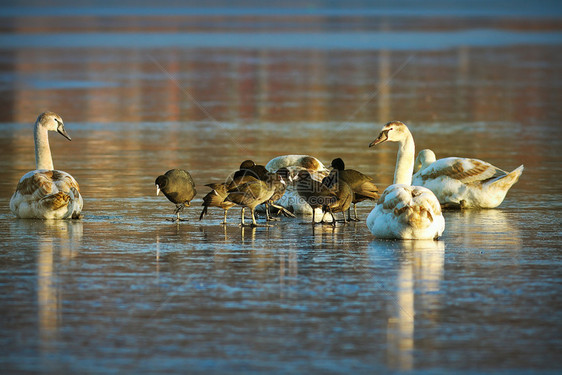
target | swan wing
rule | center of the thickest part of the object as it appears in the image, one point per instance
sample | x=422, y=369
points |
x=301, y=161
x=406, y=212
x=47, y=194
x=465, y=170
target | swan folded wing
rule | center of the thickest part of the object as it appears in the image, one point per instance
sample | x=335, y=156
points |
x=43, y=193
x=414, y=205
x=427, y=201
x=464, y=170
x=393, y=196
x=40, y=184
x=303, y=161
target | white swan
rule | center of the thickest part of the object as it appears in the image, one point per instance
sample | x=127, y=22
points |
x=46, y=193
x=291, y=200
x=307, y=162
x=463, y=182
x=404, y=211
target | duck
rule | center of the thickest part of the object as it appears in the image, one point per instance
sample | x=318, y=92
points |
x=47, y=193
x=315, y=194
x=463, y=182
x=343, y=194
x=178, y=186
x=251, y=194
x=404, y=211
x=250, y=168
x=361, y=184
x=247, y=172
x=216, y=198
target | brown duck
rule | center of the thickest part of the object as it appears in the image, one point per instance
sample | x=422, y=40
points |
x=362, y=185
x=315, y=193
x=342, y=192
x=251, y=194
x=219, y=191
x=178, y=186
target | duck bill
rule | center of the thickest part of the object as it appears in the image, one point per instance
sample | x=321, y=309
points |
x=383, y=136
x=157, y=189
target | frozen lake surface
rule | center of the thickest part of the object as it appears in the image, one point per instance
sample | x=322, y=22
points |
x=124, y=290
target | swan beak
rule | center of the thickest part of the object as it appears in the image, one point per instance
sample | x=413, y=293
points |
x=157, y=189
x=383, y=136
x=62, y=131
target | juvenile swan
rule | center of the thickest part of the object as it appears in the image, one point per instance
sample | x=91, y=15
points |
x=404, y=211
x=463, y=182
x=46, y=193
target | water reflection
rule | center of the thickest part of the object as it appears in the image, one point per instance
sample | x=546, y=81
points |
x=56, y=243
x=418, y=280
x=484, y=229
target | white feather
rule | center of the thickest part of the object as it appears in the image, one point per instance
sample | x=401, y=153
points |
x=464, y=182
x=46, y=193
x=404, y=211
x=291, y=200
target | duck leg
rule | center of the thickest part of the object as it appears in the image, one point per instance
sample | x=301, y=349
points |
x=242, y=217
x=179, y=208
x=254, y=223
x=323, y=217
x=356, y=218
x=313, y=216
x=268, y=214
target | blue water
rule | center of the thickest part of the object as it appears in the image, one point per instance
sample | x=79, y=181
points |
x=384, y=40
x=338, y=8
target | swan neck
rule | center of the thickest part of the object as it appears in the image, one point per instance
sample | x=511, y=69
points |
x=43, y=159
x=405, y=161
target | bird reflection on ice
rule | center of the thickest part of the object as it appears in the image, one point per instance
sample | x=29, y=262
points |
x=57, y=241
x=483, y=229
x=418, y=280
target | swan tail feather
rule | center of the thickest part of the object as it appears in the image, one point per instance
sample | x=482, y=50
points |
x=507, y=181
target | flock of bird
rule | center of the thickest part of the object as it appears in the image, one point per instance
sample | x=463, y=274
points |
x=410, y=208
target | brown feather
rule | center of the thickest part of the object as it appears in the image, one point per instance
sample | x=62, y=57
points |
x=457, y=171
